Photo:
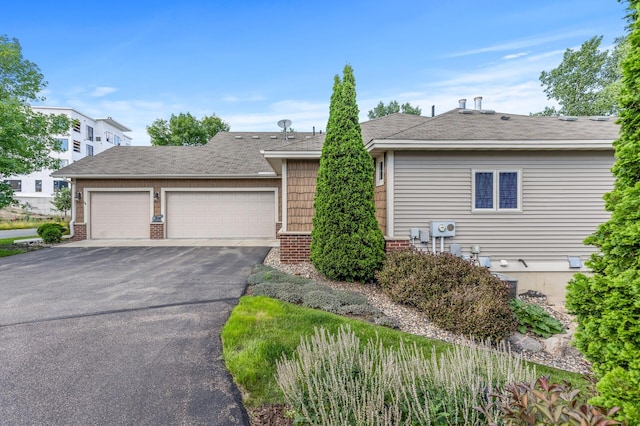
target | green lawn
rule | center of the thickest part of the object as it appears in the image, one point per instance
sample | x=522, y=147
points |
x=6, y=248
x=261, y=329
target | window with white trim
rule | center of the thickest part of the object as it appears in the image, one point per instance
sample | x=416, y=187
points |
x=380, y=171
x=89, y=150
x=496, y=190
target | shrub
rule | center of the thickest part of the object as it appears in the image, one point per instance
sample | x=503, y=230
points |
x=50, y=225
x=606, y=302
x=453, y=293
x=336, y=380
x=545, y=403
x=51, y=232
x=533, y=318
x=346, y=241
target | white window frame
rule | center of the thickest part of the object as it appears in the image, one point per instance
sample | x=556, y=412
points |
x=380, y=171
x=496, y=187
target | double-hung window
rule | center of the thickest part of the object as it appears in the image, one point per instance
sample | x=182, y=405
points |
x=496, y=190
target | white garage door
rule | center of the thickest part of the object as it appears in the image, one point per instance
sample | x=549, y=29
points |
x=222, y=214
x=120, y=215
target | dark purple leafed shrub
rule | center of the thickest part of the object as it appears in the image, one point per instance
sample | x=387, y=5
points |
x=453, y=293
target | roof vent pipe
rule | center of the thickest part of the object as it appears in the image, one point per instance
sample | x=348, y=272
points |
x=462, y=103
x=478, y=102
x=433, y=110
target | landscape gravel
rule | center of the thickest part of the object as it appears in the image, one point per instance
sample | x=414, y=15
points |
x=412, y=321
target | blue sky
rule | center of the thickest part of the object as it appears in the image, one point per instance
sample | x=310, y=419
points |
x=255, y=62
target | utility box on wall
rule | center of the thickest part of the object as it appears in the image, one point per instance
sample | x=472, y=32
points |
x=443, y=228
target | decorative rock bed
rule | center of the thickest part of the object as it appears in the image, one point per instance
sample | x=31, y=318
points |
x=554, y=351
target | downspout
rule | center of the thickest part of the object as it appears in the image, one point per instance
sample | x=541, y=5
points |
x=73, y=209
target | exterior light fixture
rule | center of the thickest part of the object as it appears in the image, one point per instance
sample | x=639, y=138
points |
x=156, y=197
x=78, y=196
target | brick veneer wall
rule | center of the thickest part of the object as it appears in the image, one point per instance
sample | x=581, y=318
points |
x=157, y=231
x=79, y=232
x=294, y=248
x=396, y=245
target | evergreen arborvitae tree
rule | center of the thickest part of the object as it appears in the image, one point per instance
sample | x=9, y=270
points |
x=346, y=241
x=607, y=304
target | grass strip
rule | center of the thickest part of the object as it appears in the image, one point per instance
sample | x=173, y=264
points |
x=260, y=330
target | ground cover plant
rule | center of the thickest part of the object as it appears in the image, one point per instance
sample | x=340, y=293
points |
x=262, y=330
x=273, y=283
x=534, y=319
x=453, y=293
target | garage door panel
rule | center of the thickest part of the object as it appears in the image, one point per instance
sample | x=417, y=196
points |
x=120, y=215
x=211, y=214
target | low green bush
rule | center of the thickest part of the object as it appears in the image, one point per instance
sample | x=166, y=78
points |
x=51, y=232
x=51, y=235
x=453, y=293
x=533, y=318
x=544, y=403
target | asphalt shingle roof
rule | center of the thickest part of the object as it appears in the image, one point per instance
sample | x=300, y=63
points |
x=476, y=125
x=239, y=153
x=226, y=154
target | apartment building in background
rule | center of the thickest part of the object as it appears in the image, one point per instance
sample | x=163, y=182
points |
x=86, y=137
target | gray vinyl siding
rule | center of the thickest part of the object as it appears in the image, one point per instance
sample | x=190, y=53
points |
x=561, y=200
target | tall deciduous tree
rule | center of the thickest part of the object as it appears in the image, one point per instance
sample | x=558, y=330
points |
x=607, y=304
x=585, y=81
x=25, y=136
x=185, y=129
x=381, y=109
x=346, y=241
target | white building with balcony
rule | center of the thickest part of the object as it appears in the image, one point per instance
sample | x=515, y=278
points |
x=87, y=136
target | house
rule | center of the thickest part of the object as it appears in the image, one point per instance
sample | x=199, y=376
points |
x=86, y=137
x=519, y=193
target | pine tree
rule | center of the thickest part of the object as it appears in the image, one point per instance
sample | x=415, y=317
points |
x=607, y=304
x=346, y=241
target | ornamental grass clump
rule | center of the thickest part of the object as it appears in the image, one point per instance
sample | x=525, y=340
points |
x=336, y=380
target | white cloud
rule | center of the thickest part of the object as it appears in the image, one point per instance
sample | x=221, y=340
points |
x=515, y=55
x=101, y=91
x=521, y=44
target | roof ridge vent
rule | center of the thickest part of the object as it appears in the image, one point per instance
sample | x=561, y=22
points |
x=273, y=137
x=487, y=111
x=465, y=111
x=568, y=118
x=599, y=118
x=255, y=137
x=239, y=137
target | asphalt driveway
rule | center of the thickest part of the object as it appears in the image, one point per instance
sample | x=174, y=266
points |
x=119, y=335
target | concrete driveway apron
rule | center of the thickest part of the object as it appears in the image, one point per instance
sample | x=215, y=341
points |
x=119, y=335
